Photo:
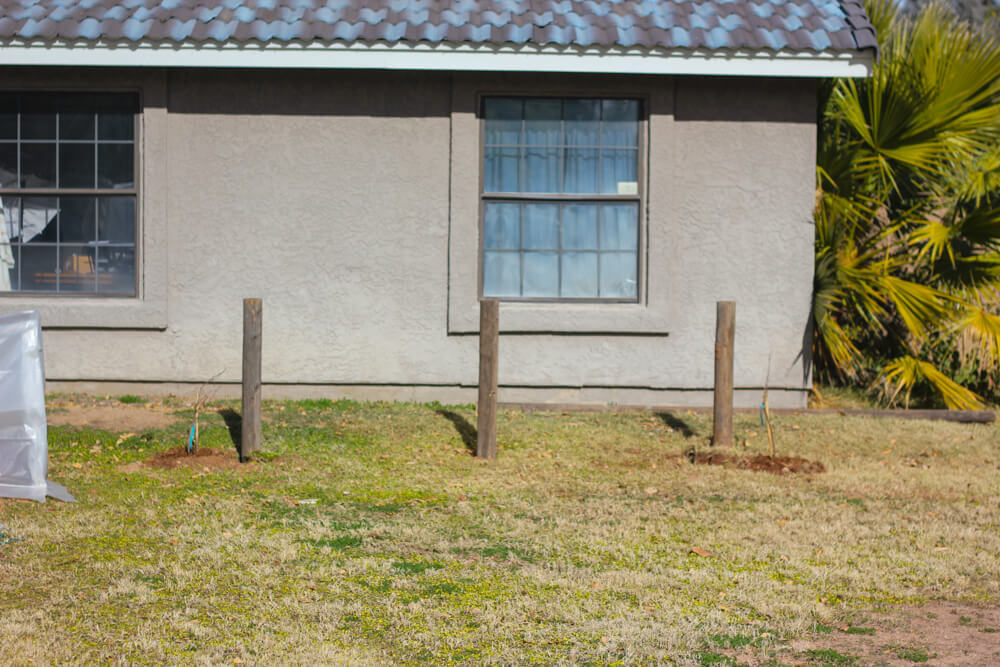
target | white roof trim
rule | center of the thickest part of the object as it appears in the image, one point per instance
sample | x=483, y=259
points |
x=442, y=57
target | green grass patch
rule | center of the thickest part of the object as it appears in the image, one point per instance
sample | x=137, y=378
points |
x=710, y=659
x=829, y=657
x=913, y=654
x=131, y=399
x=338, y=543
x=415, y=567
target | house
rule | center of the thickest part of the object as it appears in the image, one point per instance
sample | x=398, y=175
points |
x=609, y=170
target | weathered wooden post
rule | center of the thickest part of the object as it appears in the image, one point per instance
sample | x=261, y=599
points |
x=251, y=434
x=725, y=328
x=489, y=333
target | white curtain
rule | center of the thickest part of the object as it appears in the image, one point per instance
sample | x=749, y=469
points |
x=6, y=255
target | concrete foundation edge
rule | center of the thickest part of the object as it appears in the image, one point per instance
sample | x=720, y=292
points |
x=447, y=394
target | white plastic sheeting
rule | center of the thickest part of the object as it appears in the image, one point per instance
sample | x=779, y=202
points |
x=24, y=450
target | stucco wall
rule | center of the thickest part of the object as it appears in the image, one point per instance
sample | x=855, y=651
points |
x=348, y=201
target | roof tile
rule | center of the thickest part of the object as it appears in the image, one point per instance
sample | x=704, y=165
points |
x=810, y=25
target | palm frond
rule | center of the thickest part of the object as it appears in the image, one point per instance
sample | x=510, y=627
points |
x=904, y=374
x=921, y=307
x=979, y=332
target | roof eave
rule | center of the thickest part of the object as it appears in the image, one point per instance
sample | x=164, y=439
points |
x=443, y=57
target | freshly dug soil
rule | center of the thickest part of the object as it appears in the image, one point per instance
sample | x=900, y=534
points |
x=779, y=465
x=179, y=457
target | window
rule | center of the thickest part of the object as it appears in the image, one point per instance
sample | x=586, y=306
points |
x=560, y=198
x=68, y=193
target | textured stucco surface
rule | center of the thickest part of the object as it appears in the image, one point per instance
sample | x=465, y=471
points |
x=348, y=202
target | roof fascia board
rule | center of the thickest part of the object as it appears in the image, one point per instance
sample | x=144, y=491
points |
x=443, y=57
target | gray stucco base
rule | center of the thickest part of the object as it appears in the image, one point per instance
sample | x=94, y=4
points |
x=447, y=394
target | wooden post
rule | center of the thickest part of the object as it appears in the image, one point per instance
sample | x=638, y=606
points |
x=725, y=327
x=489, y=333
x=251, y=434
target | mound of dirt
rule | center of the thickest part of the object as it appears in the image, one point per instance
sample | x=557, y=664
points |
x=111, y=417
x=779, y=465
x=179, y=457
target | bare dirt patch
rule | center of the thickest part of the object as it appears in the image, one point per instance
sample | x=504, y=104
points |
x=202, y=457
x=111, y=417
x=779, y=465
x=940, y=633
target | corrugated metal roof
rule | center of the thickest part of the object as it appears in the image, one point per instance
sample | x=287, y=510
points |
x=775, y=25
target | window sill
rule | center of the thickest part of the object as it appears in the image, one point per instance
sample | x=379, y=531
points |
x=630, y=319
x=90, y=313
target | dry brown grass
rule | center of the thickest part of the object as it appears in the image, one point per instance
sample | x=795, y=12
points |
x=575, y=547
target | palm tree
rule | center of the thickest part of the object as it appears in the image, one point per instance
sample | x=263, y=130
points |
x=907, y=286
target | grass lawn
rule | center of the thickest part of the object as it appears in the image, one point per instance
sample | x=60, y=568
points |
x=575, y=547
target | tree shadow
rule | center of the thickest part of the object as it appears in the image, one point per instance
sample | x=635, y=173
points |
x=466, y=430
x=234, y=423
x=676, y=423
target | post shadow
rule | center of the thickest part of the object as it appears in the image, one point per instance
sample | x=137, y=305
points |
x=234, y=424
x=676, y=423
x=466, y=430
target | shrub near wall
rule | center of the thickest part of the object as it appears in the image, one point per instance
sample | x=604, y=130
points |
x=907, y=286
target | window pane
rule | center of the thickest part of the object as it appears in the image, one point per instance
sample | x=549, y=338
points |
x=8, y=165
x=502, y=227
x=618, y=275
x=621, y=123
x=9, y=229
x=38, y=218
x=502, y=170
x=76, y=166
x=579, y=226
x=116, y=269
x=503, y=121
x=116, y=219
x=115, y=126
x=541, y=274
x=501, y=273
x=8, y=116
x=77, y=219
x=583, y=122
x=541, y=226
x=38, y=165
x=542, y=170
x=10, y=208
x=13, y=276
x=580, y=171
x=620, y=226
x=38, y=267
x=78, y=272
x=76, y=125
x=114, y=166
x=579, y=277
x=38, y=117
x=542, y=122
x=619, y=167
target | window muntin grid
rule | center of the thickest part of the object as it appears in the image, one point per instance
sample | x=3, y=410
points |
x=68, y=192
x=558, y=174
x=572, y=250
